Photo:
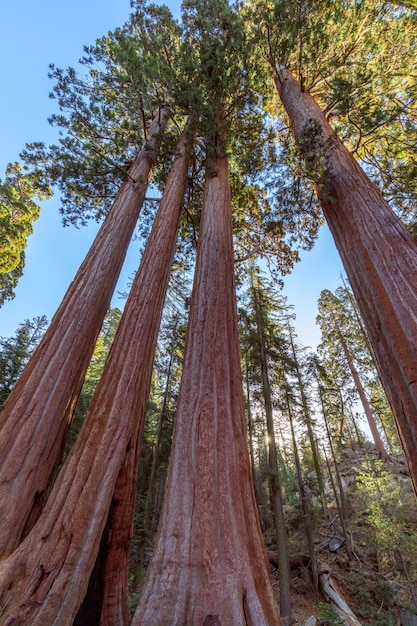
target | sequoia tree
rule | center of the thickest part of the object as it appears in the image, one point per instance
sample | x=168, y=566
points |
x=209, y=565
x=35, y=418
x=378, y=252
x=98, y=476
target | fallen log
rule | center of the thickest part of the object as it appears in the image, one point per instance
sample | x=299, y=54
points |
x=334, y=597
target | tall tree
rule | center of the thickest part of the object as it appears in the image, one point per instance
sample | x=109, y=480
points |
x=34, y=420
x=265, y=347
x=120, y=522
x=97, y=482
x=307, y=415
x=335, y=335
x=209, y=563
x=377, y=251
x=275, y=480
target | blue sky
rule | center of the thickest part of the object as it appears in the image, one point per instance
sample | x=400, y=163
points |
x=33, y=35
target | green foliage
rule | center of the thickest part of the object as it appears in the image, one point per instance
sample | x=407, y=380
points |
x=16, y=351
x=328, y=616
x=373, y=593
x=94, y=371
x=388, y=508
x=357, y=60
x=18, y=211
x=105, y=109
x=339, y=317
x=9, y=281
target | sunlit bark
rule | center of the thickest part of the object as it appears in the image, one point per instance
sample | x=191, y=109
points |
x=209, y=565
x=45, y=580
x=377, y=251
x=35, y=418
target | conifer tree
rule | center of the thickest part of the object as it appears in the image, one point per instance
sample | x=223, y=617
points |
x=377, y=251
x=16, y=351
x=265, y=351
x=18, y=211
x=209, y=565
x=333, y=319
x=97, y=482
x=209, y=549
x=34, y=420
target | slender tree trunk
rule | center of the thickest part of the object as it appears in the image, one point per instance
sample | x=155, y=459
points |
x=45, y=580
x=35, y=418
x=305, y=504
x=339, y=497
x=148, y=518
x=275, y=478
x=379, y=256
x=210, y=565
x=250, y=434
x=307, y=421
x=362, y=395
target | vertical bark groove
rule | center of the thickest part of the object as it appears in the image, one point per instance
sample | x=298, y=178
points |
x=35, y=418
x=209, y=550
x=379, y=256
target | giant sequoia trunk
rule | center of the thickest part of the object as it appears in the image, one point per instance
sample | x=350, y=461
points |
x=120, y=523
x=45, y=580
x=377, y=251
x=209, y=565
x=35, y=418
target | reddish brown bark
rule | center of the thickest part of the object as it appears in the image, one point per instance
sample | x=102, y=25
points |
x=35, y=418
x=378, y=254
x=210, y=564
x=163, y=238
x=45, y=580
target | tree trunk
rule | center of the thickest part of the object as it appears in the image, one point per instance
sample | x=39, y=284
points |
x=274, y=478
x=45, y=580
x=304, y=501
x=163, y=236
x=210, y=565
x=378, y=254
x=250, y=434
x=308, y=422
x=35, y=418
x=362, y=395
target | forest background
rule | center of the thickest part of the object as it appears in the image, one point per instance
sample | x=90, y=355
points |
x=50, y=249
x=33, y=35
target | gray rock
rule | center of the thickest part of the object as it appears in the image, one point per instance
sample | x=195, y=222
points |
x=335, y=543
x=408, y=618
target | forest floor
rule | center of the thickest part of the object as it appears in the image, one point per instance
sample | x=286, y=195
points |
x=376, y=573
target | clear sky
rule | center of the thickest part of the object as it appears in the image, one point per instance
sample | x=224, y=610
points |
x=33, y=35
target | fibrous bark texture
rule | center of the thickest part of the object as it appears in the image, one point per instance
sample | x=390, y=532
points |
x=209, y=565
x=35, y=418
x=45, y=580
x=120, y=523
x=377, y=251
